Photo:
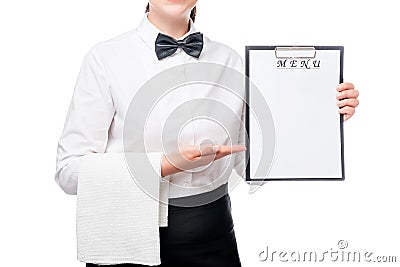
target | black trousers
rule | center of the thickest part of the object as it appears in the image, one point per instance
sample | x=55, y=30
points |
x=197, y=236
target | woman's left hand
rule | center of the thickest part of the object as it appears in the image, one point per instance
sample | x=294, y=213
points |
x=347, y=99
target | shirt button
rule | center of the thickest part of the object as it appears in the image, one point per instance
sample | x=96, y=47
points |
x=185, y=183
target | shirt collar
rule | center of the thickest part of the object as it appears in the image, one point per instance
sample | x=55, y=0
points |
x=148, y=31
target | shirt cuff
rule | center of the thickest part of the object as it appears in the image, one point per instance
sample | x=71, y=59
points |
x=156, y=161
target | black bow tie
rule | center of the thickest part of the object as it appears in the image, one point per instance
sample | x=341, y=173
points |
x=191, y=44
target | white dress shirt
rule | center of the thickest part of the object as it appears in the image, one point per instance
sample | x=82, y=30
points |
x=111, y=73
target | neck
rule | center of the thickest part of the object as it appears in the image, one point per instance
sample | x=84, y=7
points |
x=175, y=27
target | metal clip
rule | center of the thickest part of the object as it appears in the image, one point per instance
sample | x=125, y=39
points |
x=293, y=50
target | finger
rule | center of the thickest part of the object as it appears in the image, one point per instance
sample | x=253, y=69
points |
x=348, y=112
x=344, y=86
x=351, y=93
x=237, y=148
x=347, y=116
x=227, y=150
x=208, y=149
x=351, y=102
x=202, y=149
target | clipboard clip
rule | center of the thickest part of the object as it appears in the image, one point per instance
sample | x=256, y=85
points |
x=295, y=52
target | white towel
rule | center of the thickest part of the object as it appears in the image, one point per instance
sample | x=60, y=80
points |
x=116, y=221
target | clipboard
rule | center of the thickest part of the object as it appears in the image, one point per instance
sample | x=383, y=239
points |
x=298, y=83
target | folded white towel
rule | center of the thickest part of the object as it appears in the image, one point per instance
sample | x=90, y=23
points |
x=117, y=222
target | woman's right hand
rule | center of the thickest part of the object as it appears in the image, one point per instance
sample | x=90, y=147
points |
x=190, y=157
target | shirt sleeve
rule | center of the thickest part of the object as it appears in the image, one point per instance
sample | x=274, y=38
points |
x=88, y=119
x=86, y=126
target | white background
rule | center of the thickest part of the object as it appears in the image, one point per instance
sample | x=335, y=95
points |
x=42, y=48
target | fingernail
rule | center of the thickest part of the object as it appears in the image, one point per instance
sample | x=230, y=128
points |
x=339, y=87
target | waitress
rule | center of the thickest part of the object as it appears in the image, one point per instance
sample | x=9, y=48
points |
x=111, y=73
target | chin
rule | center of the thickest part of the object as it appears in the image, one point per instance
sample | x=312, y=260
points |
x=173, y=8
